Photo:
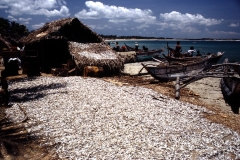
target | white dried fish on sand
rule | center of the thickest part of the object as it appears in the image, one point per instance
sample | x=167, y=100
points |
x=91, y=118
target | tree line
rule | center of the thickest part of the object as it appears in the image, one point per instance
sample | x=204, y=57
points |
x=12, y=31
x=128, y=37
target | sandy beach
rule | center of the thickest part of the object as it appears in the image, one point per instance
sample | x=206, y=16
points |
x=124, y=100
x=205, y=92
x=107, y=119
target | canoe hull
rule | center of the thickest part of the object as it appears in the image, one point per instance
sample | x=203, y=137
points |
x=212, y=60
x=171, y=72
x=145, y=56
x=230, y=87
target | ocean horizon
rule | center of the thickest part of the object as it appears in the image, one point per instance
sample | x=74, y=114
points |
x=231, y=48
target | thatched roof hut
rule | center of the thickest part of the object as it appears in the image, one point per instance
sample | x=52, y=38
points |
x=51, y=41
x=95, y=54
x=4, y=44
x=70, y=29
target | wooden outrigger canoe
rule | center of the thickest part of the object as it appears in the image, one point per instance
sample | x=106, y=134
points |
x=230, y=80
x=212, y=60
x=142, y=55
x=147, y=55
x=129, y=48
x=169, y=72
x=230, y=87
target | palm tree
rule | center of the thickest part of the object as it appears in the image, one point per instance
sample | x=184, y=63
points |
x=12, y=30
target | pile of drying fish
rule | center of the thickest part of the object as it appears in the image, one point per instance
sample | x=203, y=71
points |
x=94, y=119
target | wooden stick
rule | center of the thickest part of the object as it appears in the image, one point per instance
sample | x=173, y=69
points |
x=177, y=88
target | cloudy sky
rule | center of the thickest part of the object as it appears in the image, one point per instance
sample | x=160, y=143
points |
x=152, y=18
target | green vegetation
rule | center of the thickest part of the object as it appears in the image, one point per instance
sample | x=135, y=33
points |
x=128, y=37
x=12, y=31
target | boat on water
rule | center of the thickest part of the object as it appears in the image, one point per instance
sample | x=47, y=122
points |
x=129, y=48
x=145, y=55
x=213, y=58
x=169, y=72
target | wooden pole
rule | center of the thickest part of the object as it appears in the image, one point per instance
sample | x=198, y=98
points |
x=177, y=88
x=168, y=50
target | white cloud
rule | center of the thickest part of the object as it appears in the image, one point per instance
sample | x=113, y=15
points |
x=48, y=8
x=225, y=33
x=11, y=18
x=191, y=30
x=24, y=19
x=64, y=11
x=3, y=6
x=186, y=19
x=118, y=20
x=99, y=27
x=25, y=23
x=185, y=22
x=142, y=26
x=36, y=26
x=233, y=25
x=221, y=33
x=115, y=14
x=61, y=2
x=122, y=29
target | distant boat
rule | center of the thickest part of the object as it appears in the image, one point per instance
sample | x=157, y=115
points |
x=145, y=55
x=214, y=58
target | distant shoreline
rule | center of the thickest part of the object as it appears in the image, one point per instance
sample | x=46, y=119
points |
x=109, y=40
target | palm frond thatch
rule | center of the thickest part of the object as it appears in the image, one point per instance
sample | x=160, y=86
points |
x=70, y=29
x=51, y=41
x=95, y=54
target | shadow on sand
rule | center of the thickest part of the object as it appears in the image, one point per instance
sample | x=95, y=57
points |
x=34, y=92
x=234, y=103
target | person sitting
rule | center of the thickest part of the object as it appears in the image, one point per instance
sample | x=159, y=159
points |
x=198, y=53
x=178, y=50
x=190, y=52
x=145, y=48
x=136, y=48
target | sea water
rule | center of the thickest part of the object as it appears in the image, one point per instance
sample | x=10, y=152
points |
x=231, y=48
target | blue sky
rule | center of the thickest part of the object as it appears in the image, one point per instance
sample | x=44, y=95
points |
x=152, y=18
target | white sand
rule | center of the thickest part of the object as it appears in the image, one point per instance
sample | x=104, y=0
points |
x=208, y=88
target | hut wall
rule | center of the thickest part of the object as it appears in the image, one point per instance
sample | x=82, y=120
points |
x=1, y=47
x=52, y=53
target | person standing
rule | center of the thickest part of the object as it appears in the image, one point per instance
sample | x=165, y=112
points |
x=4, y=90
x=178, y=49
x=136, y=46
x=117, y=47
